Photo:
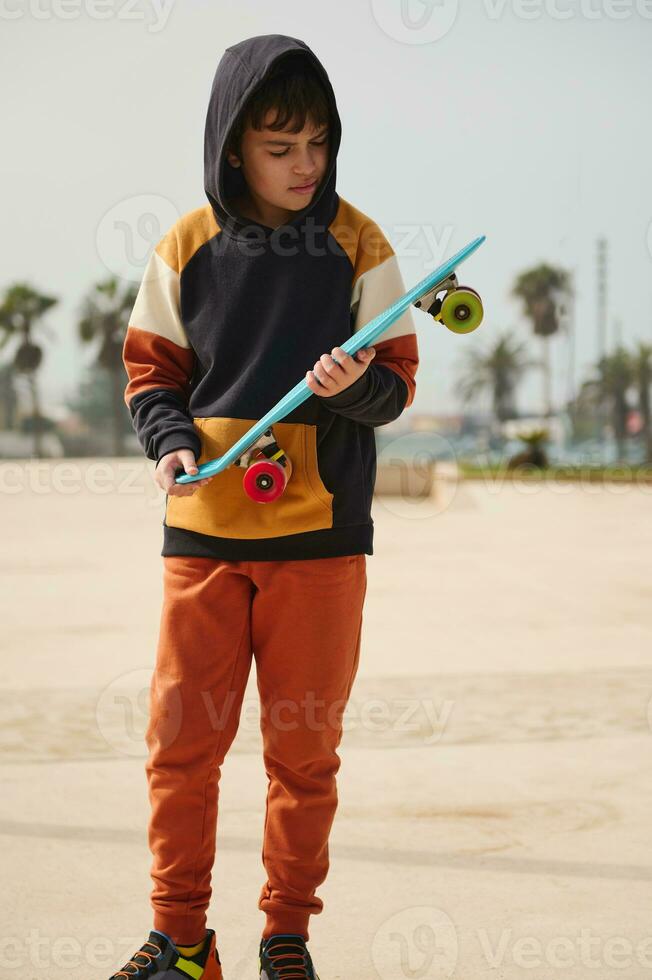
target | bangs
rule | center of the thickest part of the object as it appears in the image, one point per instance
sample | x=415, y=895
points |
x=294, y=91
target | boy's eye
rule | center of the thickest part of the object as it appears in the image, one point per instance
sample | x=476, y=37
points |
x=283, y=152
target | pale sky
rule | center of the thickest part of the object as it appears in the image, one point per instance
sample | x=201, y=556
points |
x=527, y=121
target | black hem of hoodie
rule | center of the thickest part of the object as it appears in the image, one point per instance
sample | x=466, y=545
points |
x=331, y=542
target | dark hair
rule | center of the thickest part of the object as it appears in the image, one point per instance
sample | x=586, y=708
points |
x=294, y=89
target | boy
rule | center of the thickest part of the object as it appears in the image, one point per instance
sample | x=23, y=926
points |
x=238, y=300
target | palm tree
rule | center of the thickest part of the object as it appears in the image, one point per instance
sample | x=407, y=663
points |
x=104, y=320
x=534, y=453
x=499, y=369
x=21, y=313
x=642, y=367
x=545, y=292
x=8, y=397
x=615, y=377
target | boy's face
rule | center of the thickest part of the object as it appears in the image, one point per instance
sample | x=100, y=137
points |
x=277, y=164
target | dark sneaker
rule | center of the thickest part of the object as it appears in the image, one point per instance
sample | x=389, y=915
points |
x=285, y=957
x=159, y=957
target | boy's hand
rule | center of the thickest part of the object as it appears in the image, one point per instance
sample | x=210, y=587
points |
x=166, y=472
x=335, y=377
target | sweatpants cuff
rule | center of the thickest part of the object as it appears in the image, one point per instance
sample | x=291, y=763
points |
x=280, y=922
x=183, y=930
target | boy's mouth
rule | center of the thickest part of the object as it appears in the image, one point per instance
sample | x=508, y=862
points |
x=305, y=188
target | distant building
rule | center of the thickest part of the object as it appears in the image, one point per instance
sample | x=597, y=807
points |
x=455, y=424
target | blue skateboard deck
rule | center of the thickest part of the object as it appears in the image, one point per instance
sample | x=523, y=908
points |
x=363, y=338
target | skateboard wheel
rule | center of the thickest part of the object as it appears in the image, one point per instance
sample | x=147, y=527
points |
x=265, y=480
x=462, y=310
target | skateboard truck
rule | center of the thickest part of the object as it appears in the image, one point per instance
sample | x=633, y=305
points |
x=459, y=309
x=267, y=469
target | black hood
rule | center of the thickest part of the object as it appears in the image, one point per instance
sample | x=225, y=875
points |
x=241, y=69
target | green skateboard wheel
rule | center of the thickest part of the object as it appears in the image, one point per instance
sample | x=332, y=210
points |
x=462, y=310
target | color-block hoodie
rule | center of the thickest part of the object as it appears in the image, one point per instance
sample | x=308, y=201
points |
x=231, y=314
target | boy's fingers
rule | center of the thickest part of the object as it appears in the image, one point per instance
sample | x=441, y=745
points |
x=181, y=490
x=178, y=463
x=167, y=478
x=365, y=354
x=341, y=357
x=188, y=465
x=184, y=489
x=331, y=364
x=187, y=458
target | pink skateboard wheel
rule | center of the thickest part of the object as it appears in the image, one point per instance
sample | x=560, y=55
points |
x=264, y=481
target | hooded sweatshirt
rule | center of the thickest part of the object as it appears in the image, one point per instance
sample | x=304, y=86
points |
x=231, y=314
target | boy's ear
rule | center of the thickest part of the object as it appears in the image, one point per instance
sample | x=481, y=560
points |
x=233, y=159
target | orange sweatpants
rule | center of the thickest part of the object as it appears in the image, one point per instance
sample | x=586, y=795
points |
x=301, y=620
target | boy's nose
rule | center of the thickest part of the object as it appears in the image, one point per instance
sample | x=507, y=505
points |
x=306, y=165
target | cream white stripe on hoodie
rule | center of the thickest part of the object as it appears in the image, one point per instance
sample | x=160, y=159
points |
x=157, y=304
x=374, y=291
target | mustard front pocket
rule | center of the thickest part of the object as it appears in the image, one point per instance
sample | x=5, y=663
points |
x=223, y=509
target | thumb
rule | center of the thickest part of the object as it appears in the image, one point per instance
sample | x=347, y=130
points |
x=369, y=352
x=187, y=458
